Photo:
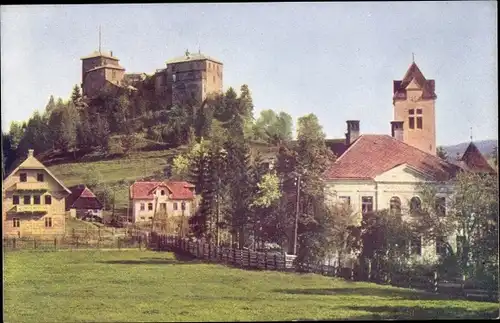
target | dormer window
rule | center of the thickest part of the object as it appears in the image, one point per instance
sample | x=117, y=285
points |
x=162, y=192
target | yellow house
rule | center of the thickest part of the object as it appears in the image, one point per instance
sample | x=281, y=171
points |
x=33, y=201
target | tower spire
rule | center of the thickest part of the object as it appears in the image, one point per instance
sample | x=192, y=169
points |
x=470, y=134
x=413, y=57
x=99, y=39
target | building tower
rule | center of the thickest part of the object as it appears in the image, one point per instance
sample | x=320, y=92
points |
x=100, y=69
x=414, y=104
x=190, y=77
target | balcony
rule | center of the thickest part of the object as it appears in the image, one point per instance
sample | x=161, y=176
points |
x=32, y=186
x=37, y=208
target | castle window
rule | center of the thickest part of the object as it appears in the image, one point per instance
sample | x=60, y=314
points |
x=142, y=207
x=175, y=206
x=419, y=111
x=440, y=205
x=36, y=199
x=415, y=204
x=346, y=200
x=15, y=223
x=39, y=177
x=412, y=111
x=48, y=199
x=48, y=222
x=150, y=206
x=15, y=199
x=27, y=199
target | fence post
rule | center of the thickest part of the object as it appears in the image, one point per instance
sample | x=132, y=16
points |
x=275, y=262
x=265, y=260
x=140, y=242
x=352, y=270
x=463, y=284
x=249, y=259
x=234, y=256
x=14, y=243
x=34, y=242
x=369, y=269
x=55, y=243
x=435, y=281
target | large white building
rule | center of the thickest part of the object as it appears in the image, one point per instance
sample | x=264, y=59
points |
x=376, y=172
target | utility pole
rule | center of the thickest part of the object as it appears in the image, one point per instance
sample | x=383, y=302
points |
x=183, y=207
x=297, y=216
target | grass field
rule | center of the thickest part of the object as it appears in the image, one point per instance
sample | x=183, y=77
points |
x=133, y=286
x=135, y=166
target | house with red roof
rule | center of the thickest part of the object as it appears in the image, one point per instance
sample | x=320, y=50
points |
x=378, y=171
x=173, y=199
x=83, y=204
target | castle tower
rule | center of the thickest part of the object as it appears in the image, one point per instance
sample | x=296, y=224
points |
x=190, y=77
x=414, y=104
x=99, y=70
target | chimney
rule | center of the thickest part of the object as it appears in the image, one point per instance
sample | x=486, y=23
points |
x=352, y=131
x=111, y=52
x=397, y=130
x=30, y=152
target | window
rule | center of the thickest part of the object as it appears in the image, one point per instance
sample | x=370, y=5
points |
x=175, y=206
x=48, y=222
x=150, y=206
x=395, y=205
x=15, y=223
x=162, y=192
x=174, y=77
x=441, y=249
x=416, y=246
x=414, y=116
x=39, y=177
x=419, y=122
x=214, y=78
x=142, y=218
x=36, y=199
x=440, y=206
x=48, y=199
x=150, y=218
x=15, y=199
x=346, y=200
x=26, y=199
x=113, y=74
x=142, y=207
x=367, y=204
x=23, y=177
x=163, y=206
x=415, y=204
x=209, y=65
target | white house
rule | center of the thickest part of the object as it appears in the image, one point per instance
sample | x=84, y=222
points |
x=175, y=199
x=379, y=172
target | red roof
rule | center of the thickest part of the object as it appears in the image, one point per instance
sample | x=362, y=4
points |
x=372, y=155
x=177, y=190
x=428, y=86
x=472, y=160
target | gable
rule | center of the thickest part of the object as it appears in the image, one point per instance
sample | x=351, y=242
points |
x=413, y=85
x=402, y=174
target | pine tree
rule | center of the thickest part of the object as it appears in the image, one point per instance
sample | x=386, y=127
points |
x=76, y=95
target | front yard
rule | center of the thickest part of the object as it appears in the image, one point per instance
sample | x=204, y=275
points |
x=133, y=286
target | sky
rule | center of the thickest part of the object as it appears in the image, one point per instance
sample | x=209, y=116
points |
x=336, y=60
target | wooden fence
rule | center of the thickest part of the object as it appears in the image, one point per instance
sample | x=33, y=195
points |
x=58, y=243
x=430, y=282
x=237, y=257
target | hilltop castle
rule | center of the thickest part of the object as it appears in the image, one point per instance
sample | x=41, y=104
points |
x=192, y=76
